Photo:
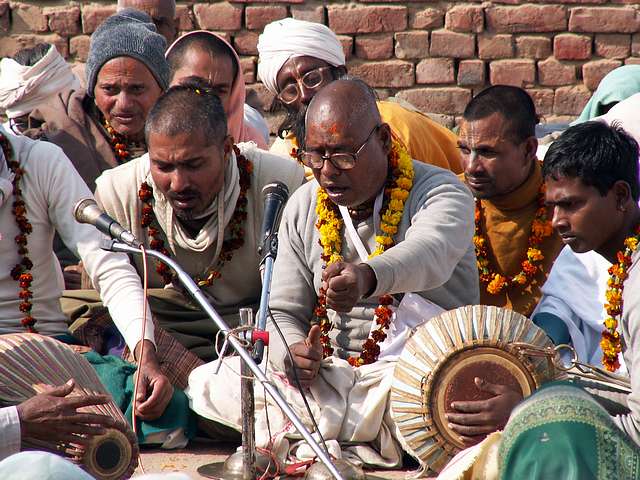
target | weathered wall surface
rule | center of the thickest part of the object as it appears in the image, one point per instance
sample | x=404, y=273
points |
x=434, y=54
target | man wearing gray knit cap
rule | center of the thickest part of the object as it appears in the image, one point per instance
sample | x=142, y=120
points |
x=126, y=72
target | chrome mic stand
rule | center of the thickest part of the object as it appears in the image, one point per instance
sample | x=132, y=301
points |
x=201, y=299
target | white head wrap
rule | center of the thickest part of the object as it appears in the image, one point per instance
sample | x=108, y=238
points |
x=284, y=39
x=24, y=88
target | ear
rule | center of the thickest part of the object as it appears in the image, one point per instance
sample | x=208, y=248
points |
x=384, y=134
x=622, y=194
x=531, y=148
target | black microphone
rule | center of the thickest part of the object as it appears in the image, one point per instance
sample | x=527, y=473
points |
x=275, y=196
x=88, y=211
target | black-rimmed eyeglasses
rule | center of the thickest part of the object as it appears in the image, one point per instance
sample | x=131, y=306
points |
x=340, y=160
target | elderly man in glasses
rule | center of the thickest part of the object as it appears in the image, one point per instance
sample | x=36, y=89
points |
x=297, y=58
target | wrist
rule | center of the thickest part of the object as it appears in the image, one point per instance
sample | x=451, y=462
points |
x=148, y=356
x=369, y=280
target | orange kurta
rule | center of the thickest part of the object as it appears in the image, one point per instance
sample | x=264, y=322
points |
x=507, y=226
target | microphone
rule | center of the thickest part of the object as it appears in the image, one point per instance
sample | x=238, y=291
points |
x=88, y=211
x=275, y=196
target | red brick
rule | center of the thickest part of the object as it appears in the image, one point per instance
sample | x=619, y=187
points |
x=570, y=100
x=246, y=43
x=568, y=46
x=369, y=19
x=392, y=73
x=268, y=1
x=542, y=99
x=613, y=45
x=9, y=46
x=248, y=67
x=257, y=17
x=471, y=73
x=495, y=46
x=519, y=73
x=552, y=73
x=185, y=18
x=526, y=18
x=79, y=47
x=632, y=61
x=308, y=13
x=635, y=45
x=375, y=47
x=64, y=21
x=94, y=15
x=4, y=17
x=218, y=16
x=347, y=45
x=465, y=18
x=533, y=47
x=264, y=96
x=435, y=70
x=438, y=100
x=27, y=19
x=604, y=19
x=594, y=71
x=412, y=44
x=427, y=18
x=451, y=44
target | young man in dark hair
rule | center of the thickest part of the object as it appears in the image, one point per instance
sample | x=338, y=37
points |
x=515, y=244
x=202, y=202
x=591, y=173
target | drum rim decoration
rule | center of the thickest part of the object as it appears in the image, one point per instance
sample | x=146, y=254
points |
x=419, y=431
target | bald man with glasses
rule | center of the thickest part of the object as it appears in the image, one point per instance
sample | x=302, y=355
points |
x=327, y=283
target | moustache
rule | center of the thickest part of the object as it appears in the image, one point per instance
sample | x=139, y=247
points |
x=183, y=195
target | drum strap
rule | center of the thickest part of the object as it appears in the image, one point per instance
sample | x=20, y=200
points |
x=351, y=229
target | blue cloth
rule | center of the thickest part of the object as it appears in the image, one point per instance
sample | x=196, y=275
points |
x=40, y=466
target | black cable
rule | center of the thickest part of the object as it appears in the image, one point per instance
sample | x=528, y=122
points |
x=297, y=381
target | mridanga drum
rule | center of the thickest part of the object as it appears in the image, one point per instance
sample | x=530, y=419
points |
x=29, y=363
x=438, y=366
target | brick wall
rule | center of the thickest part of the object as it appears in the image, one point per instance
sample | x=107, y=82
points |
x=434, y=54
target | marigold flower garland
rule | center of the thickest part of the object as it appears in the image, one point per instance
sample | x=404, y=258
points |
x=540, y=229
x=611, y=342
x=21, y=272
x=330, y=225
x=145, y=194
x=118, y=143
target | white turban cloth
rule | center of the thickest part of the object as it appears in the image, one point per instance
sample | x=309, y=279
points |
x=288, y=38
x=23, y=88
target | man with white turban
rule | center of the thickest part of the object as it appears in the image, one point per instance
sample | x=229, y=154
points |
x=297, y=58
x=29, y=79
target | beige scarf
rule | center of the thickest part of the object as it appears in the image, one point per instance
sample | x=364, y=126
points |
x=220, y=212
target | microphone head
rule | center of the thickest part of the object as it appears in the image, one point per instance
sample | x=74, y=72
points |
x=86, y=211
x=278, y=189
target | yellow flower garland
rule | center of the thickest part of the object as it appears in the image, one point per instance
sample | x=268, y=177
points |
x=330, y=225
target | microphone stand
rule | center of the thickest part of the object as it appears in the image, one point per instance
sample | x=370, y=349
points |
x=266, y=267
x=201, y=299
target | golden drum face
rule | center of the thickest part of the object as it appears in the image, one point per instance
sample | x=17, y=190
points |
x=29, y=363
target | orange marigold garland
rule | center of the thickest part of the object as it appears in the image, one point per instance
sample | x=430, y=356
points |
x=21, y=272
x=611, y=342
x=236, y=240
x=330, y=225
x=540, y=229
x=118, y=144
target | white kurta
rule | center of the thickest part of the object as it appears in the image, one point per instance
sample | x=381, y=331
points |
x=51, y=188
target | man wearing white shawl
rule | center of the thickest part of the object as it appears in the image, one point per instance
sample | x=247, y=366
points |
x=30, y=79
x=199, y=198
x=297, y=58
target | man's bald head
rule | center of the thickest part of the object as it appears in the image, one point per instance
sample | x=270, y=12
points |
x=163, y=13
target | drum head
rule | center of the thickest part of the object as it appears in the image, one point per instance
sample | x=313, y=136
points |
x=438, y=366
x=110, y=456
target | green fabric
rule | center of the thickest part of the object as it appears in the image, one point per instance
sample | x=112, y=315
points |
x=186, y=322
x=616, y=86
x=553, y=326
x=117, y=376
x=562, y=432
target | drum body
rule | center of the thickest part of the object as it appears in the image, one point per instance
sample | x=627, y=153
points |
x=438, y=366
x=29, y=363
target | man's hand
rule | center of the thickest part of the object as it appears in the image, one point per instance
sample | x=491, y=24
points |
x=53, y=416
x=479, y=418
x=346, y=283
x=73, y=276
x=307, y=356
x=154, y=391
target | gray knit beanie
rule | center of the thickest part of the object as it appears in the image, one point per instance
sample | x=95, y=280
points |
x=128, y=33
